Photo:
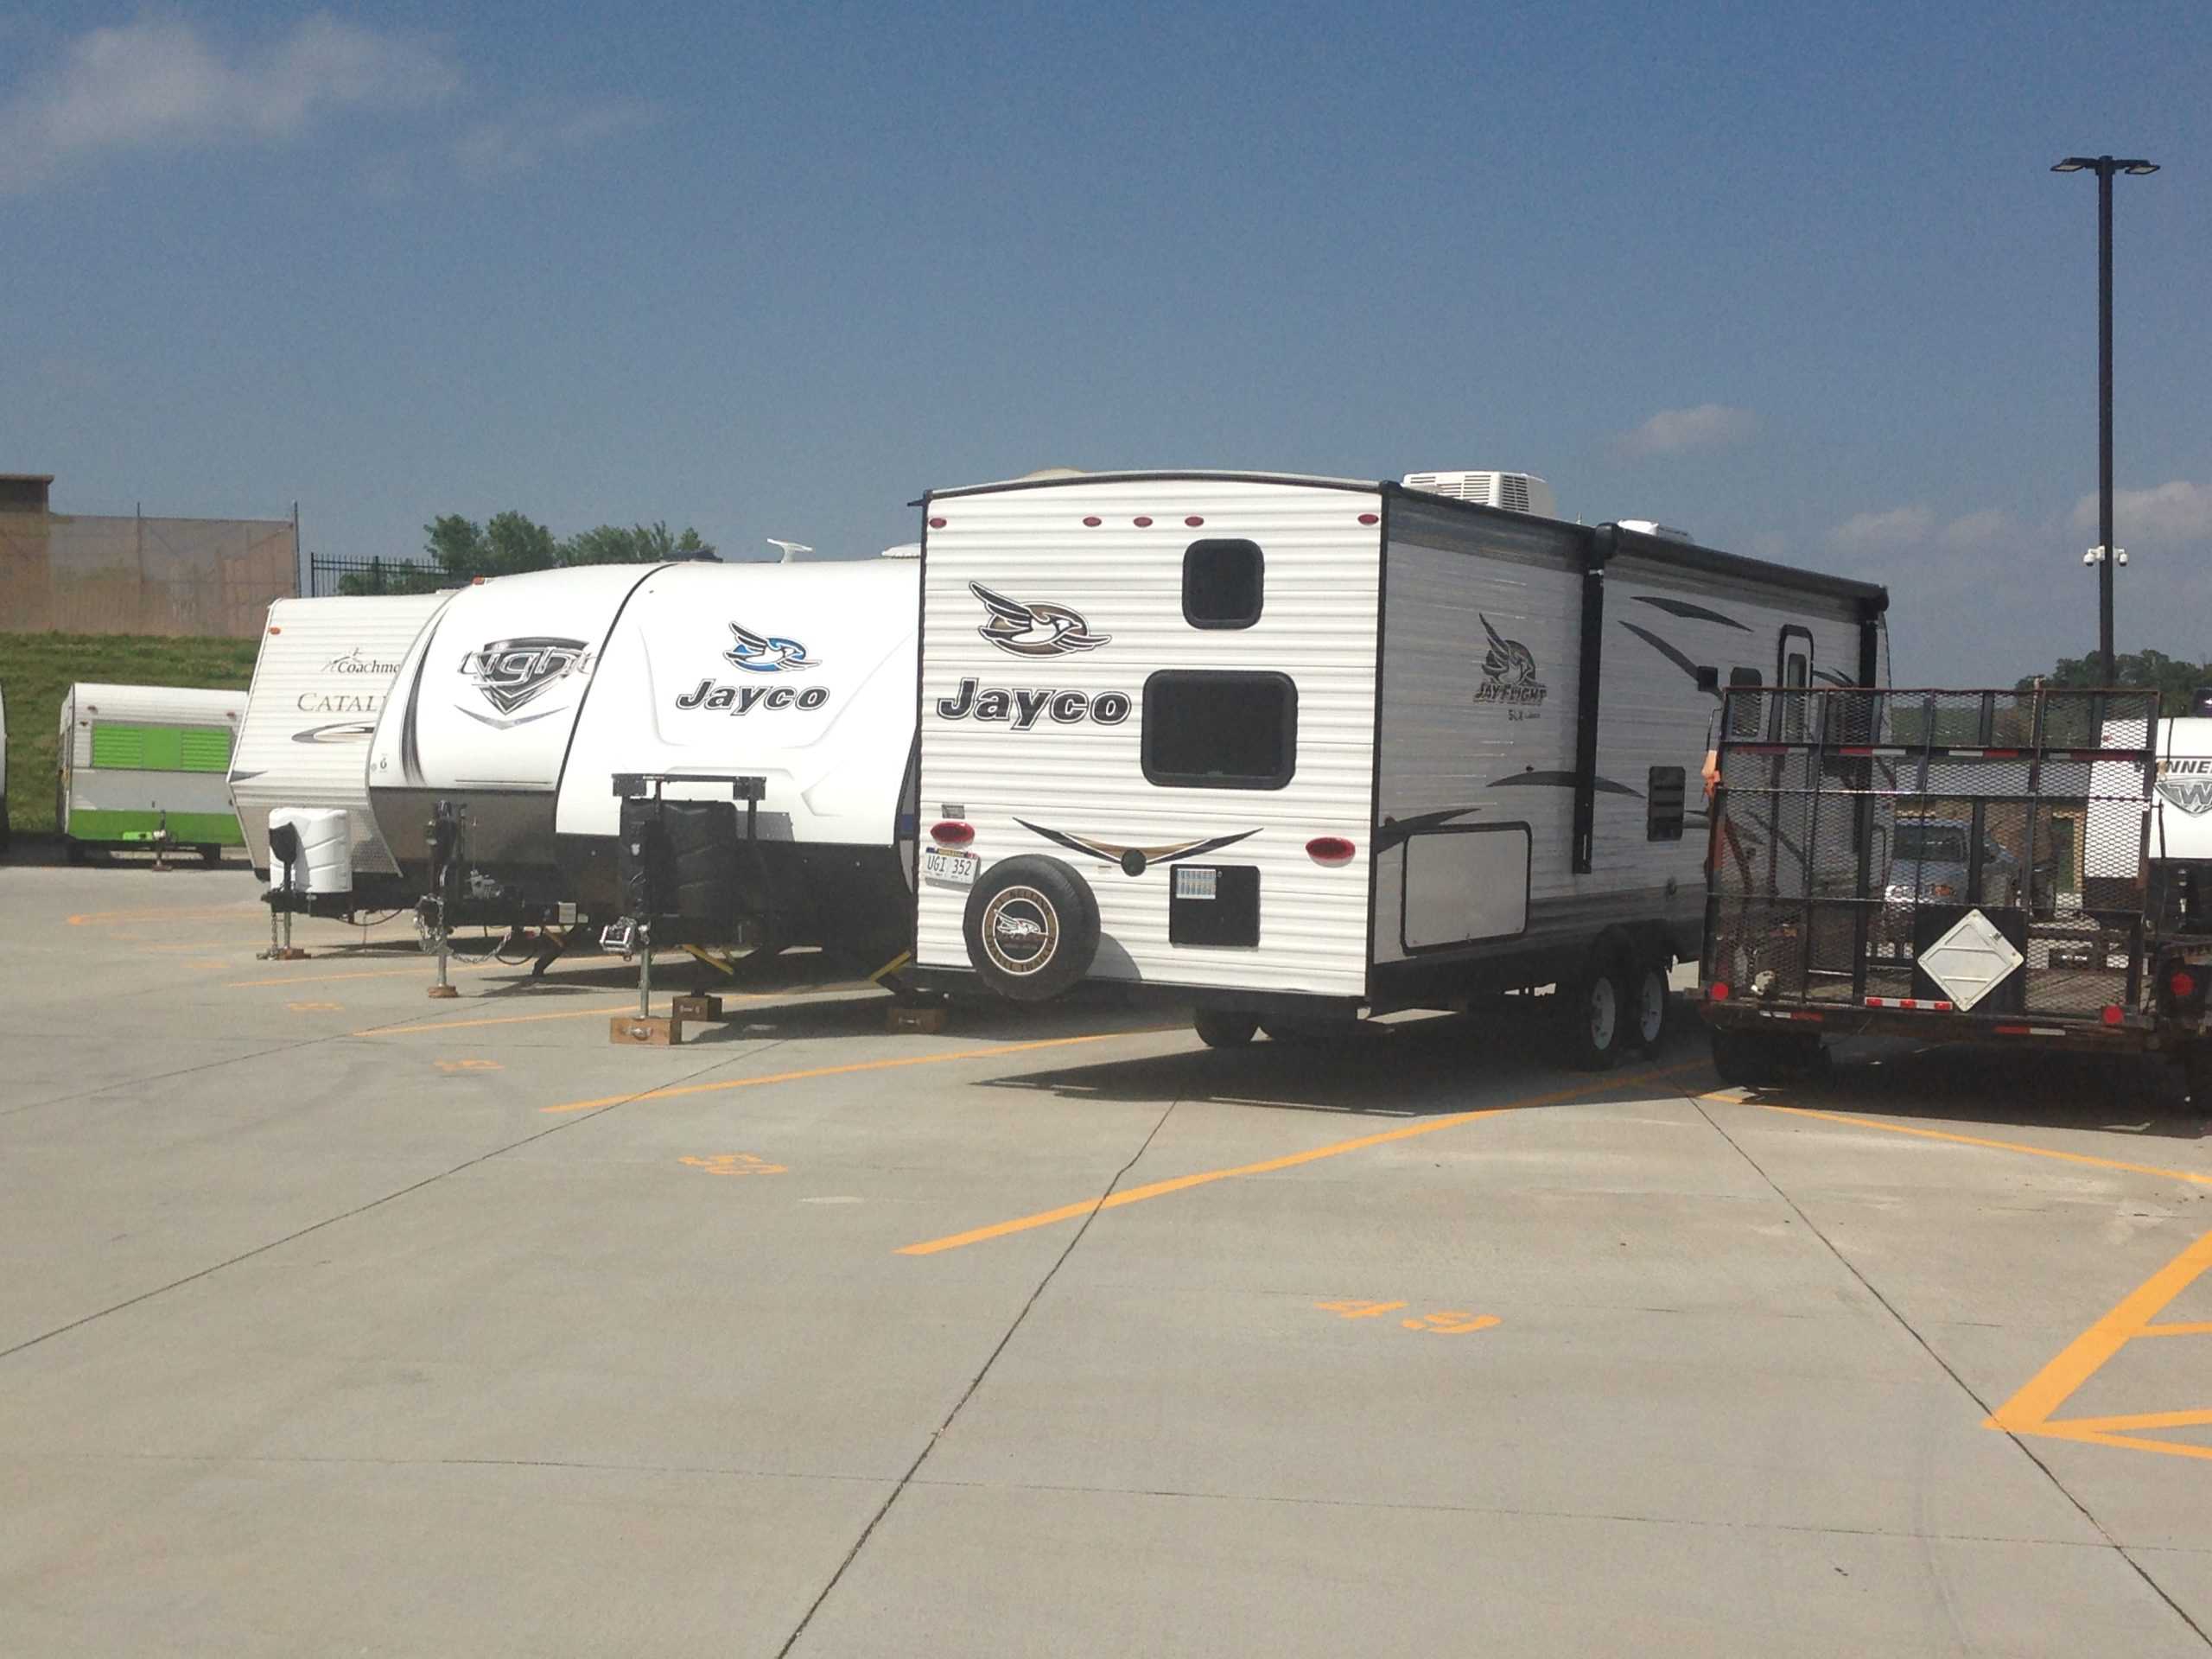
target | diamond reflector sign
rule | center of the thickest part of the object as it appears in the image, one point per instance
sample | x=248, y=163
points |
x=1970, y=961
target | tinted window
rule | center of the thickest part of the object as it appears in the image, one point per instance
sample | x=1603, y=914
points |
x=1662, y=795
x=1796, y=676
x=1221, y=584
x=1220, y=731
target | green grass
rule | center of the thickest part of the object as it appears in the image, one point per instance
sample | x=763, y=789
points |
x=35, y=668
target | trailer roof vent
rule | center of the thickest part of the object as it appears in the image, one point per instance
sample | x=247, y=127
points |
x=1653, y=527
x=1521, y=492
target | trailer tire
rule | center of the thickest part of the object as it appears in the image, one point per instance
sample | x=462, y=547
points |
x=1032, y=928
x=1594, y=1013
x=211, y=855
x=1650, y=1001
x=1224, y=1027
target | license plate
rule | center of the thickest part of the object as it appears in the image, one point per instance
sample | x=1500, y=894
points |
x=953, y=869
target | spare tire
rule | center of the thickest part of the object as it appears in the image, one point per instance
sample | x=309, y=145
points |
x=1032, y=928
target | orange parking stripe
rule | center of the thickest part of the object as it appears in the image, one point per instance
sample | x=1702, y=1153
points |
x=1184, y=1183
x=502, y=1020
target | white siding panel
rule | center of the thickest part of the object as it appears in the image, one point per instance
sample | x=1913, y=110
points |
x=1318, y=625
x=325, y=668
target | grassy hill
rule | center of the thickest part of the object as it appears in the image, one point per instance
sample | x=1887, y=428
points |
x=35, y=668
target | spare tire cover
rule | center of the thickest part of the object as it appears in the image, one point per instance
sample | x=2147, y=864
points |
x=1032, y=928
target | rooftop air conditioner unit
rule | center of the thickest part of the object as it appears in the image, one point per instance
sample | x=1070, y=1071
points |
x=1521, y=492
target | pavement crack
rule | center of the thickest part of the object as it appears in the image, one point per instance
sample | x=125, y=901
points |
x=359, y=1209
x=976, y=1382
x=1981, y=1405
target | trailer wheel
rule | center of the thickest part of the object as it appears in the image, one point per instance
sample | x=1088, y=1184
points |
x=1224, y=1027
x=1032, y=928
x=1649, y=1005
x=211, y=855
x=1595, y=1010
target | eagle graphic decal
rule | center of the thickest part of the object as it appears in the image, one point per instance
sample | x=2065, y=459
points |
x=1510, y=676
x=1034, y=630
x=761, y=653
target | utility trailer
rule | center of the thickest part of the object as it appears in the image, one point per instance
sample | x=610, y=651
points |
x=1956, y=866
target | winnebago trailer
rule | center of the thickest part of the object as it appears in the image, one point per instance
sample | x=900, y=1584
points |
x=800, y=676
x=324, y=668
x=147, y=766
x=2029, y=867
x=1294, y=748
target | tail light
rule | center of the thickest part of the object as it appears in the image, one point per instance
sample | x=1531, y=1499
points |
x=2113, y=1014
x=1330, y=849
x=2182, y=985
x=1718, y=991
x=951, y=832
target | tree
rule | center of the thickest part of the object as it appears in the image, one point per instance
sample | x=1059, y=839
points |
x=510, y=543
x=2174, y=679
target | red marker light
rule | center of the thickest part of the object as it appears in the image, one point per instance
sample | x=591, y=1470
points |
x=1718, y=991
x=1330, y=850
x=1142, y=522
x=2114, y=1014
x=951, y=832
x=937, y=523
x=1194, y=521
x=2182, y=984
x=1370, y=517
x=1092, y=523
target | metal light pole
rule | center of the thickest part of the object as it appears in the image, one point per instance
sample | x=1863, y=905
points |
x=2105, y=556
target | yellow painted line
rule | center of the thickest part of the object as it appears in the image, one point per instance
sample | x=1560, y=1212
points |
x=1269, y=1166
x=2203, y=1330
x=890, y=1064
x=1731, y=1098
x=2050, y=1387
x=502, y=1020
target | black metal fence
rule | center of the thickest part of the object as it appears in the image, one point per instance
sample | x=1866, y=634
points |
x=328, y=574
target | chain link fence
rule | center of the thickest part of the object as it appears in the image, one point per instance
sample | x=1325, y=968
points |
x=79, y=573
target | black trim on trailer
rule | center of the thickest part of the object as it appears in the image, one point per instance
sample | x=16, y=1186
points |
x=1688, y=611
x=561, y=773
x=1870, y=646
x=1377, y=844
x=921, y=715
x=1601, y=545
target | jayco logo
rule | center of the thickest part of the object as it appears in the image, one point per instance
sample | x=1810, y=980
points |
x=2187, y=785
x=767, y=653
x=744, y=699
x=1022, y=707
x=1034, y=630
x=1510, y=677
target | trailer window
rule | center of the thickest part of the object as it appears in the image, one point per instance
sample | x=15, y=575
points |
x=1220, y=731
x=1796, y=680
x=1744, y=712
x=1221, y=583
x=1662, y=796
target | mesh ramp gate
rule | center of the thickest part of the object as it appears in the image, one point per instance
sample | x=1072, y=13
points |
x=1854, y=830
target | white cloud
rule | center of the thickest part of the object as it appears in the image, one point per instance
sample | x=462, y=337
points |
x=2179, y=512
x=1977, y=532
x=161, y=85
x=1876, y=532
x=516, y=143
x=1672, y=431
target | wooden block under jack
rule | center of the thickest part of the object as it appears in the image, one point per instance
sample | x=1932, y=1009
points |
x=445, y=990
x=907, y=1016
x=288, y=953
x=698, y=1006
x=651, y=1030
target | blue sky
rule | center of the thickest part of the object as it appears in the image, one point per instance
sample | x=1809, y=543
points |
x=1793, y=276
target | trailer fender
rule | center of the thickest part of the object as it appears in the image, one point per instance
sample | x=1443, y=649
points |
x=1031, y=927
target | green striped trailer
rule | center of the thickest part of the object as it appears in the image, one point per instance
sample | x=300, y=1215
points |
x=147, y=766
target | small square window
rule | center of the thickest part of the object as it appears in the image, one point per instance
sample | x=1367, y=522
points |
x=1221, y=583
x=1662, y=797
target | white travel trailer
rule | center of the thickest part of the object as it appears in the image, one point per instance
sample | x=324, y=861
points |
x=1292, y=748
x=526, y=697
x=324, y=668
x=147, y=766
